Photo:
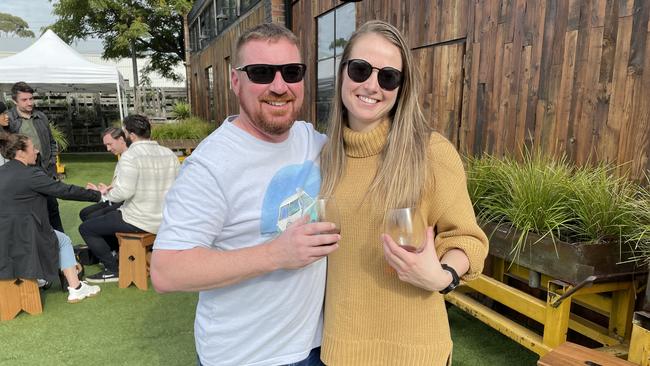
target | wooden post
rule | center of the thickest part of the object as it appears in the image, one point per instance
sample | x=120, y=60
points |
x=640, y=341
x=557, y=317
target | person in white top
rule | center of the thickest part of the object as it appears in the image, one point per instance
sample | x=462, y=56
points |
x=224, y=229
x=143, y=176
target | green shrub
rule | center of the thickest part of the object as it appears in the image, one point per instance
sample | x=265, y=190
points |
x=602, y=205
x=181, y=110
x=191, y=128
x=639, y=236
x=555, y=199
x=59, y=136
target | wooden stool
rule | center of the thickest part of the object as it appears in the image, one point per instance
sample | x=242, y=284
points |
x=17, y=295
x=134, y=258
x=570, y=354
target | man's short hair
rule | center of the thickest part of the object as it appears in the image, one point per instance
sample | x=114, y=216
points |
x=138, y=124
x=115, y=133
x=20, y=87
x=265, y=31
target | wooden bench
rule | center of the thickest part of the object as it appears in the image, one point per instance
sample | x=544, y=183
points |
x=18, y=295
x=571, y=354
x=135, y=256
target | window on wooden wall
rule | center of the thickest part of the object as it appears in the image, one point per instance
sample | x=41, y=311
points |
x=207, y=23
x=209, y=80
x=246, y=5
x=334, y=30
x=227, y=13
x=194, y=36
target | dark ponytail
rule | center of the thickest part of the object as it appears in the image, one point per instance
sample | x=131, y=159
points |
x=11, y=143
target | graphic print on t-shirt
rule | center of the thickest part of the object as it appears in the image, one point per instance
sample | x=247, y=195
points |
x=291, y=190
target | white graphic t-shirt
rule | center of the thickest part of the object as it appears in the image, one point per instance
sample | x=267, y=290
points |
x=236, y=191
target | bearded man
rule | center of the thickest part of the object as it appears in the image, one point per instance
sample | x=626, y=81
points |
x=233, y=225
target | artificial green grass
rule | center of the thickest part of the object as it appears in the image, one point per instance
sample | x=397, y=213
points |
x=134, y=327
x=117, y=327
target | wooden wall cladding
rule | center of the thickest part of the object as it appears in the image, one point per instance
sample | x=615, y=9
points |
x=218, y=56
x=566, y=76
x=441, y=100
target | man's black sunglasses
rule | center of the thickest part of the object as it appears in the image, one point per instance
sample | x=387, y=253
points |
x=359, y=71
x=264, y=74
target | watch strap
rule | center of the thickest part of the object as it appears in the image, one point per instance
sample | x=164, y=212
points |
x=455, y=279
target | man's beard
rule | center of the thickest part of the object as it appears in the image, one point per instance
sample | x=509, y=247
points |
x=270, y=126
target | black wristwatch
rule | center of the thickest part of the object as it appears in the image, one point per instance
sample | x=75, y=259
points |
x=455, y=280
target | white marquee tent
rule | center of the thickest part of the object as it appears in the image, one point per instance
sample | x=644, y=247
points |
x=51, y=65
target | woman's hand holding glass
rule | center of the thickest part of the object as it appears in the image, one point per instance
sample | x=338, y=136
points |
x=410, y=250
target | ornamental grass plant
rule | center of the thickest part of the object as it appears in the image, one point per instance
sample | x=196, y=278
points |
x=59, y=136
x=553, y=198
x=181, y=110
x=639, y=236
x=193, y=128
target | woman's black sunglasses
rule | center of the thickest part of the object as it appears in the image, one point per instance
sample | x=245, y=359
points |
x=360, y=70
x=264, y=74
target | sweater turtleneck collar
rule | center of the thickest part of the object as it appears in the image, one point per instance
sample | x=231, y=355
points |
x=365, y=144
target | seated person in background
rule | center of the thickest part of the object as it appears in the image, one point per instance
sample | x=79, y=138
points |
x=30, y=247
x=77, y=290
x=143, y=175
x=115, y=141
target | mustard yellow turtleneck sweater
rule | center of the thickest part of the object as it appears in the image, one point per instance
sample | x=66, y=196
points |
x=371, y=317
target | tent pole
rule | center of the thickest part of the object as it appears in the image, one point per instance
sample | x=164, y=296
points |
x=119, y=102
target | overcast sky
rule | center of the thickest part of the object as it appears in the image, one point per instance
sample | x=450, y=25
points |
x=37, y=13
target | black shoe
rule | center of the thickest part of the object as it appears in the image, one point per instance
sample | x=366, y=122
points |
x=104, y=276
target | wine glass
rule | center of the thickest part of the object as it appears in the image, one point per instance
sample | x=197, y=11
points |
x=407, y=228
x=325, y=209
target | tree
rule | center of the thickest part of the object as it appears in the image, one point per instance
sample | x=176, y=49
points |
x=339, y=42
x=11, y=24
x=128, y=28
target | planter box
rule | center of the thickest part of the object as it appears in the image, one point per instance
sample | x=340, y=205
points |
x=179, y=144
x=569, y=262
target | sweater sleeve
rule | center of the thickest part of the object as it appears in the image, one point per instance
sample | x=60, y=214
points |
x=41, y=183
x=455, y=224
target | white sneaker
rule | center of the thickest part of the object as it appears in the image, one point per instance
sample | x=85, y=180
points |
x=83, y=292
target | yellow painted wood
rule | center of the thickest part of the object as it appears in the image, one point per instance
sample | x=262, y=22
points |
x=620, y=317
x=502, y=324
x=595, y=302
x=510, y=297
x=640, y=342
x=592, y=330
x=60, y=168
x=557, y=318
x=498, y=268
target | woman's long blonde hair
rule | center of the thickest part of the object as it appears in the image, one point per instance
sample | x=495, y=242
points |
x=403, y=171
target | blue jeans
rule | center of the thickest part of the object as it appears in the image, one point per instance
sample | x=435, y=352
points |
x=312, y=360
x=66, y=252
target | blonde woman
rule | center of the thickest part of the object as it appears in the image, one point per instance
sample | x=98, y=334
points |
x=382, y=154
